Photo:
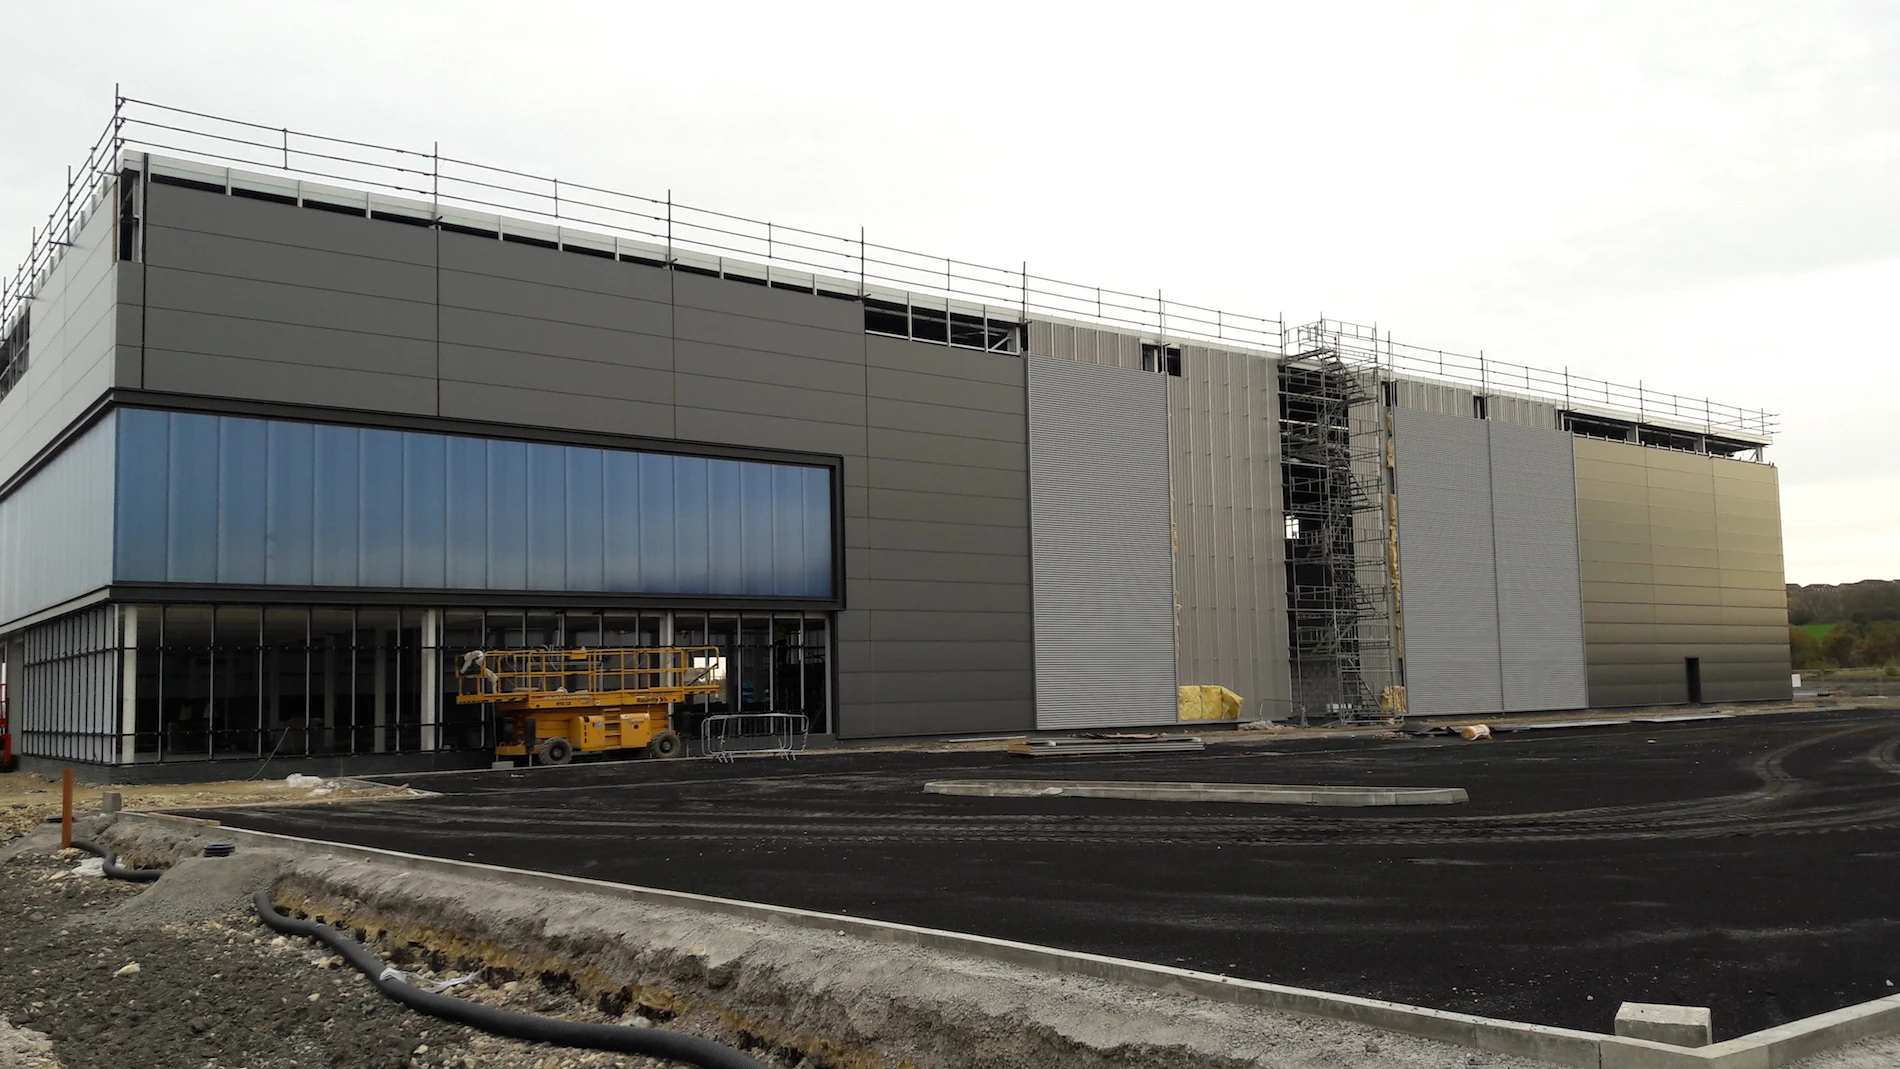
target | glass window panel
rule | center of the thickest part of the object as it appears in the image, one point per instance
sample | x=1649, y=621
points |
x=547, y=517
x=543, y=629
x=657, y=572
x=149, y=697
x=192, y=533
x=723, y=632
x=756, y=529
x=585, y=520
x=424, y=510
x=289, y=508
x=337, y=502
x=507, y=516
x=755, y=663
x=817, y=671
x=379, y=550
x=461, y=630
x=817, y=519
x=237, y=691
x=620, y=630
x=582, y=629
x=333, y=676
x=286, y=684
x=788, y=656
x=142, y=490
x=467, y=504
x=725, y=541
x=621, y=521
x=690, y=546
x=505, y=629
x=185, y=683
x=788, y=529
x=242, y=453
x=379, y=671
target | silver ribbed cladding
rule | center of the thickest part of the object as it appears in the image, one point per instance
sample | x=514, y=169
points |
x=1488, y=562
x=1445, y=561
x=1102, y=543
x=1540, y=600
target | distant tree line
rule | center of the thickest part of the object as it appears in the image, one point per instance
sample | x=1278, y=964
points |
x=1848, y=645
x=1863, y=602
x=1866, y=619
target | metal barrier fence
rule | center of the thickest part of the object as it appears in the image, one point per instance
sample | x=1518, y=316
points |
x=730, y=735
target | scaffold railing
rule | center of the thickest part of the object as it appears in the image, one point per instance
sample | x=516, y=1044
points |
x=697, y=238
x=1563, y=386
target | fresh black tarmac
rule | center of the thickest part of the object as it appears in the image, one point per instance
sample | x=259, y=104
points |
x=1750, y=865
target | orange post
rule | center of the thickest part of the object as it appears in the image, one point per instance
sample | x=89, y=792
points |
x=66, y=811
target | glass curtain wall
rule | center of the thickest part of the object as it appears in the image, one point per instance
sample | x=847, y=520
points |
x=247, y=682
x=244, y=681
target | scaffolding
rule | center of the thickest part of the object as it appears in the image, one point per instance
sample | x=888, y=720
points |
x=1341, y=551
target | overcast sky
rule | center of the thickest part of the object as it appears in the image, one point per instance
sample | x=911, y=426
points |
x=1701, y=195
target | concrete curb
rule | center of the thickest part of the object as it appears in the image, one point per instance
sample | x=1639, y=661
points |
x=1255, y=793
x=1767, y=1049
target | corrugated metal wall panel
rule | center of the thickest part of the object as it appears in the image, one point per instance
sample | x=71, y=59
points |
x=1103, y=576
x=56, y=528
x=1540, y=600
x=1521, y=411
x=1446, y=560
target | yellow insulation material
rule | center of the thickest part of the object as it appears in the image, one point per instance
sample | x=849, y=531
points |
x=1209, y=703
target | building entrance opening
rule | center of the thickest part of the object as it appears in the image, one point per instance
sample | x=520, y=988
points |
x=1692, y=669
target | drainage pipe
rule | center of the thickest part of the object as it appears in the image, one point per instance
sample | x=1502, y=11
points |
x=112, y=868
x=652, y=1042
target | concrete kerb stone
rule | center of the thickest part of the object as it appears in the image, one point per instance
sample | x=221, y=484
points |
x=1767, y=1049
x=1254, y=793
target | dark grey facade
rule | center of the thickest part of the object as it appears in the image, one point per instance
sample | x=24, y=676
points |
x=279, y=457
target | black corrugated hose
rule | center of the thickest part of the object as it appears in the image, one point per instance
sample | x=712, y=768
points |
x=652, y=1042
x=112, y=868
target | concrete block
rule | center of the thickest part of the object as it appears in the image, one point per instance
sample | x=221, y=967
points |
x=1682, y=1026
x=111, y=802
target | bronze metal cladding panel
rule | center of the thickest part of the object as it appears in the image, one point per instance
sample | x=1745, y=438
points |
x=1680, y=556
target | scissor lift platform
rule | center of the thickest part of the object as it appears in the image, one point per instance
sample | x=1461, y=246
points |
x=550, y=704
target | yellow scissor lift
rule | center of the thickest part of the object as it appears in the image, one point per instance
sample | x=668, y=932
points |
x=555, y=703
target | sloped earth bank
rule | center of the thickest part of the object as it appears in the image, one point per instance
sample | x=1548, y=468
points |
x=215, y=988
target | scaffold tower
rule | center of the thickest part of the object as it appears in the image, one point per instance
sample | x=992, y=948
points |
x=1340, y=536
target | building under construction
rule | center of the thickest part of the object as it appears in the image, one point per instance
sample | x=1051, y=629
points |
x=290, y=424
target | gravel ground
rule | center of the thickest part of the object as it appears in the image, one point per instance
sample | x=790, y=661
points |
x=222, y=992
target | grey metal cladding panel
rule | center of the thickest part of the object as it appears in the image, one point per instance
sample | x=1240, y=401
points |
x=981, y=655
x=900, y=354
x=1009, y=457
x=466, y=253
x=308, y=384
x=885, y=474
x=519, y=405
x=174, y=208
x=1102, y=565
x=877, y=562
x=56, y=528
x=274, y=302
x=535, y=336
x=922, y=596
x=948, y=537
x=903, y=625
x=288, y=343
x=555, y=306
x=767, y=336
x=497, y=367
x=1540, y=600
x=1446, y=564
x=74, y=346
x=958, y=393
x=943, y=418
x=770, y=399
x=1521, y=411
x=949, y=508
x=291, y=265
x=762, y=302
x=779, y=369
x=720, y=426
x=890, y=719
